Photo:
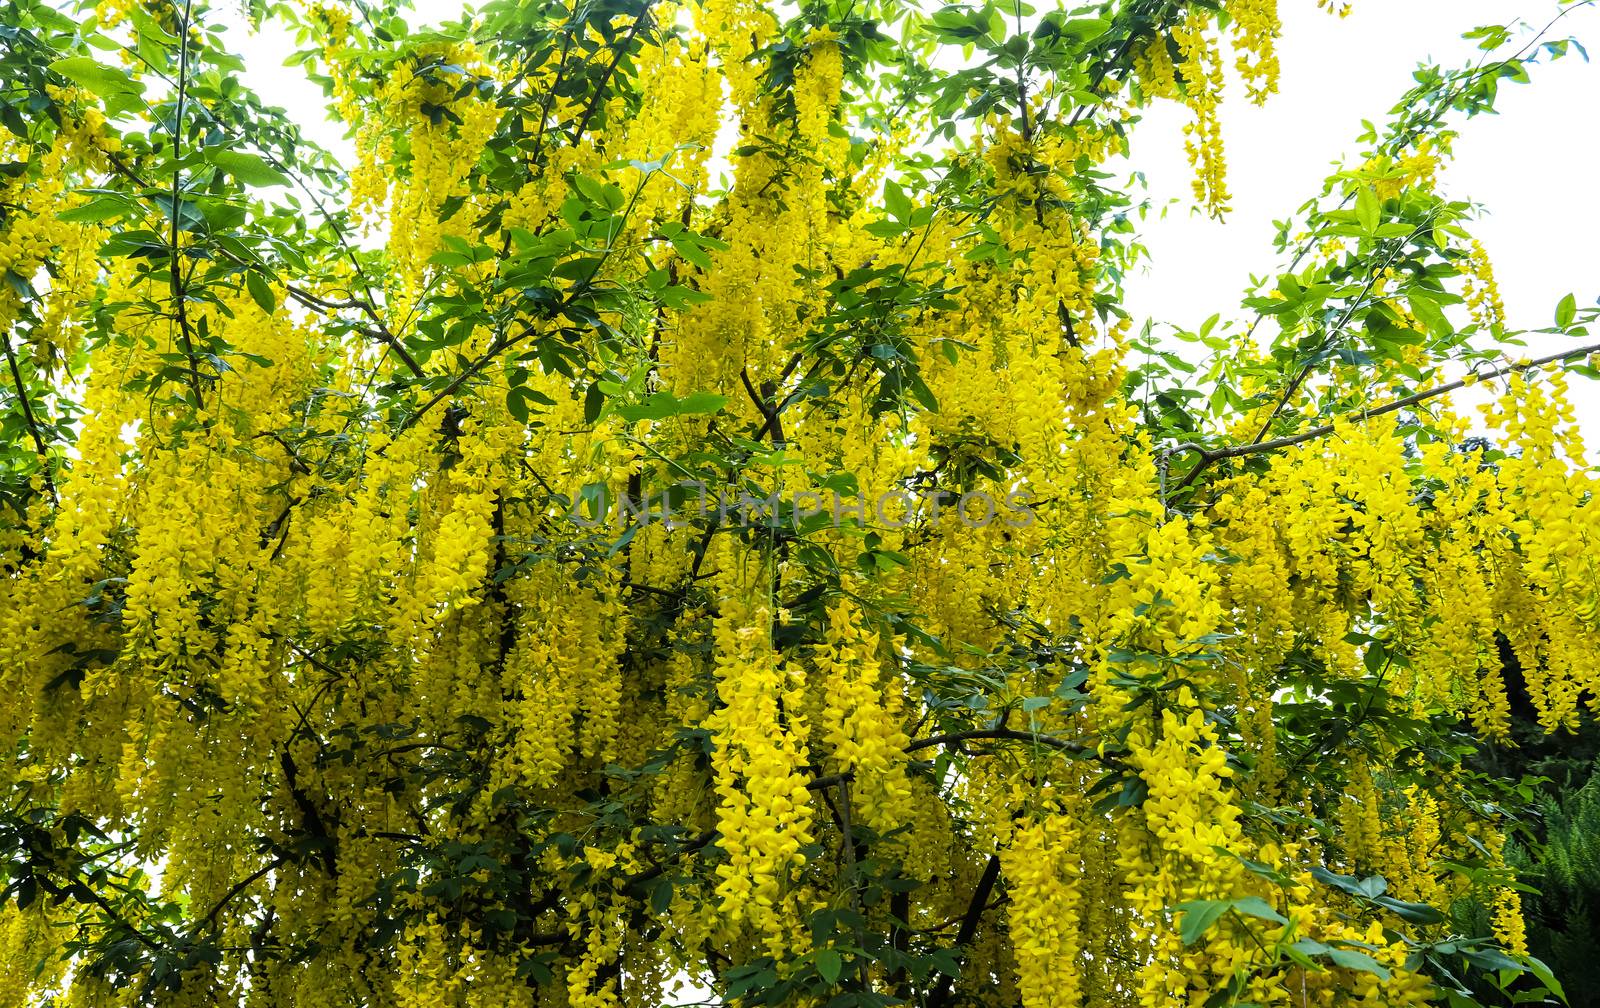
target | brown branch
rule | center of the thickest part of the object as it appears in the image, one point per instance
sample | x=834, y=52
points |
x=773, y=419
x=651, y=874
x=550, y=98
x=494, y=349
x=1003, y=734
x=499, y=345
x=1210, y=455
x=1332, y=334
x=175, y=271
x=367, y=306
x=311, y=819
x=598, y=97
x=822, y=783
x=940, y=996
x=27, y=411
x=770, y=412
x=238, y=888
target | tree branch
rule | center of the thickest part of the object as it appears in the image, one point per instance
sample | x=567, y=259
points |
x=1003, y=734
x=314, y=302
x=175, y=270
x=1210, y=455
x=28, y=418
x=596, y=99
x=940, y=995
x=238, y=888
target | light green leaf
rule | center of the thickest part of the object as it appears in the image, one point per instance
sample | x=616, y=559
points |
x=895, y=199
x=1566, y=311
x=665, y=404
x=1368, y=210
x=251, y=169
x=691, y=251
x=103, y=80
x=1429, y=315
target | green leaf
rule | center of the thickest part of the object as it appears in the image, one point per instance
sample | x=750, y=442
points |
x=103, y=207
x=603, y=198
x=519, y=397
x=1491, y=959
x=665, y=404
x=661, y=897
x=251, y=169
x=1255, y=906
x=517, y=403
x=11, y=118
x=1375, y=658
x=1368, y=210
x=261, y=291
x=1566, y=311
x=829, y=965
x=1351, y=959
x=1429, y=314
x=1545, y=976
x=691, y=252
x=594, y=401
x=896, y=201
x=97, y=77
x=27, y=891
x=1416, y=913
x=1198, y=916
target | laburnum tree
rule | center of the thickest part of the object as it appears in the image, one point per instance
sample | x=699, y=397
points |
x=366, y=638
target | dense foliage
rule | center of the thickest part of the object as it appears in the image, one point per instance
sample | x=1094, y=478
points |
x=1556, y=853
x=992, y=653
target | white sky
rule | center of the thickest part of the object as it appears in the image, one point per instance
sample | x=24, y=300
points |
x=1526, y=165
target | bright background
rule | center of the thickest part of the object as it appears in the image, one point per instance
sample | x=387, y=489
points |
x=1527, y=165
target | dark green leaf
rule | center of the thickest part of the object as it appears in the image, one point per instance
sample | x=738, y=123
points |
x=829, y=965
x=261, y=291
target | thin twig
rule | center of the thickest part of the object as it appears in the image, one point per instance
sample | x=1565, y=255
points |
x=238, y=888
x=1210, y=455
x=28, y=418
x=175, y=271
x=940, y=995
x=1002, y=734
x=596, y=99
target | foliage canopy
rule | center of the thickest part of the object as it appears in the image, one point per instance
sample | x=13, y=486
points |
x=348, y=656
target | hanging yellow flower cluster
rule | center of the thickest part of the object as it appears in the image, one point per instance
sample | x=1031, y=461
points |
x=759, y=758
x=1256, y=28
x=1189, y=68
x=1483, y=292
